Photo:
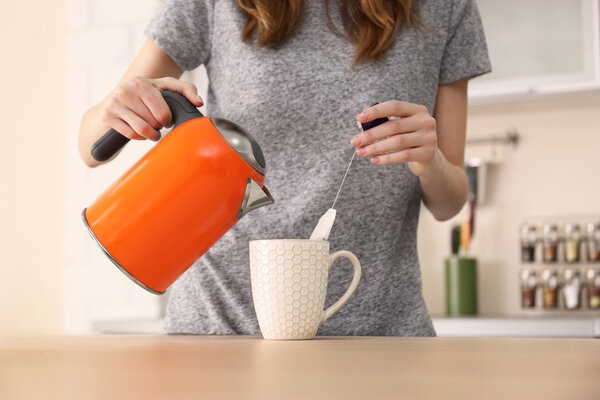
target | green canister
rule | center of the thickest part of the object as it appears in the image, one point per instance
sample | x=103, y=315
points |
x=461, y=286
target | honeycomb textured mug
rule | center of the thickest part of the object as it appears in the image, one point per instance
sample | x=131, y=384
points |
x=289, y=281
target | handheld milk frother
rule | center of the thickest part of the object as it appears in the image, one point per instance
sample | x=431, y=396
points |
x=325, y=224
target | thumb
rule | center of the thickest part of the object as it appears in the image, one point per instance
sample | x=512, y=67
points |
x=190, y=91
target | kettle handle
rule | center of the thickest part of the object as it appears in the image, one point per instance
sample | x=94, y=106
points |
x=112, y=141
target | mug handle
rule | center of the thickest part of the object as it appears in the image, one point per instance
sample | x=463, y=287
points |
x=336, y=306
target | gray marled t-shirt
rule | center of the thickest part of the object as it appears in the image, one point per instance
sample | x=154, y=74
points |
x=300, y=101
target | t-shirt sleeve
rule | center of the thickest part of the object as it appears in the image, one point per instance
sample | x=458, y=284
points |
x=465, y=54
x=183, y=29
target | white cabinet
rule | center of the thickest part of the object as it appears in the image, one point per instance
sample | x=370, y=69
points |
x=539, y=47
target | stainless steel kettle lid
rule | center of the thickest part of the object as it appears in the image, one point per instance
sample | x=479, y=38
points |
x=242, y=143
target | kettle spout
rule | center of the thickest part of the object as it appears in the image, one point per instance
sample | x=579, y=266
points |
x=254, y=197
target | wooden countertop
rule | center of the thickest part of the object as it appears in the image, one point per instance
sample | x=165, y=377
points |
x=209, y=367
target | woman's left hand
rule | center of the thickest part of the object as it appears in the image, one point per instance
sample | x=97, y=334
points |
x=409, y=136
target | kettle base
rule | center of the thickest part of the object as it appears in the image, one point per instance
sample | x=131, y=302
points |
x=111, y=258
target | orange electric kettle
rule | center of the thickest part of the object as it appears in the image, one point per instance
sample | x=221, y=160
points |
x=179, y=198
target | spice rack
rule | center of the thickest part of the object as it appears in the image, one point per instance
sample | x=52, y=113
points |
x=560, y=264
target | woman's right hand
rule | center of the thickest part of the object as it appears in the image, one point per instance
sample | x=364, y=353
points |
x=137, y=110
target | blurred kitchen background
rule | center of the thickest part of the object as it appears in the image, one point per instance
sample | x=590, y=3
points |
x=67, y=55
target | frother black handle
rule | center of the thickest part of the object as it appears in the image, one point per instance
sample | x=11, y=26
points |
x=112, y=141
x=374, y=123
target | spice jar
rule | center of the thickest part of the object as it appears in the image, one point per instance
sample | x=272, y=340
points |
x=572, y=241
x=550, y=243
x=571, y=289
x=593, y=241
x=528, y=288
x=593, y=287
x=528, y=241
x=549, y=288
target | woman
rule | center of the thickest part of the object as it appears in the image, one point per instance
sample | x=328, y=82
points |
x=297, y=74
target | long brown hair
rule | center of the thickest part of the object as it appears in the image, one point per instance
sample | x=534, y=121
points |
x=371, y=25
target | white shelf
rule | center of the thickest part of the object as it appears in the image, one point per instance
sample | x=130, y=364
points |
x=445, y=327
x=148, y=326
x=518, y=327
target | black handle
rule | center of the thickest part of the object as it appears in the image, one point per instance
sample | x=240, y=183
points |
x=374, y=123
x=112, y=141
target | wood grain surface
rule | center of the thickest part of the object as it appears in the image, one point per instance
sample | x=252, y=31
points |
x=213, y=367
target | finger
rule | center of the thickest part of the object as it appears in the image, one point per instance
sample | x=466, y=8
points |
x=389, y=108
x=141, y=127
x=132, y=95
x=393, y=143
x=187, y=89
x=123, y=128
x=139, y=107
x=414, y=154
x=389, y=128
x=157, y=105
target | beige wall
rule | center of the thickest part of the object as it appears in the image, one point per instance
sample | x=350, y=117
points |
x=553, y=174
x=32, y=166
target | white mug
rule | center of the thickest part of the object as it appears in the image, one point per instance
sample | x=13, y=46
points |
x=289, y=281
